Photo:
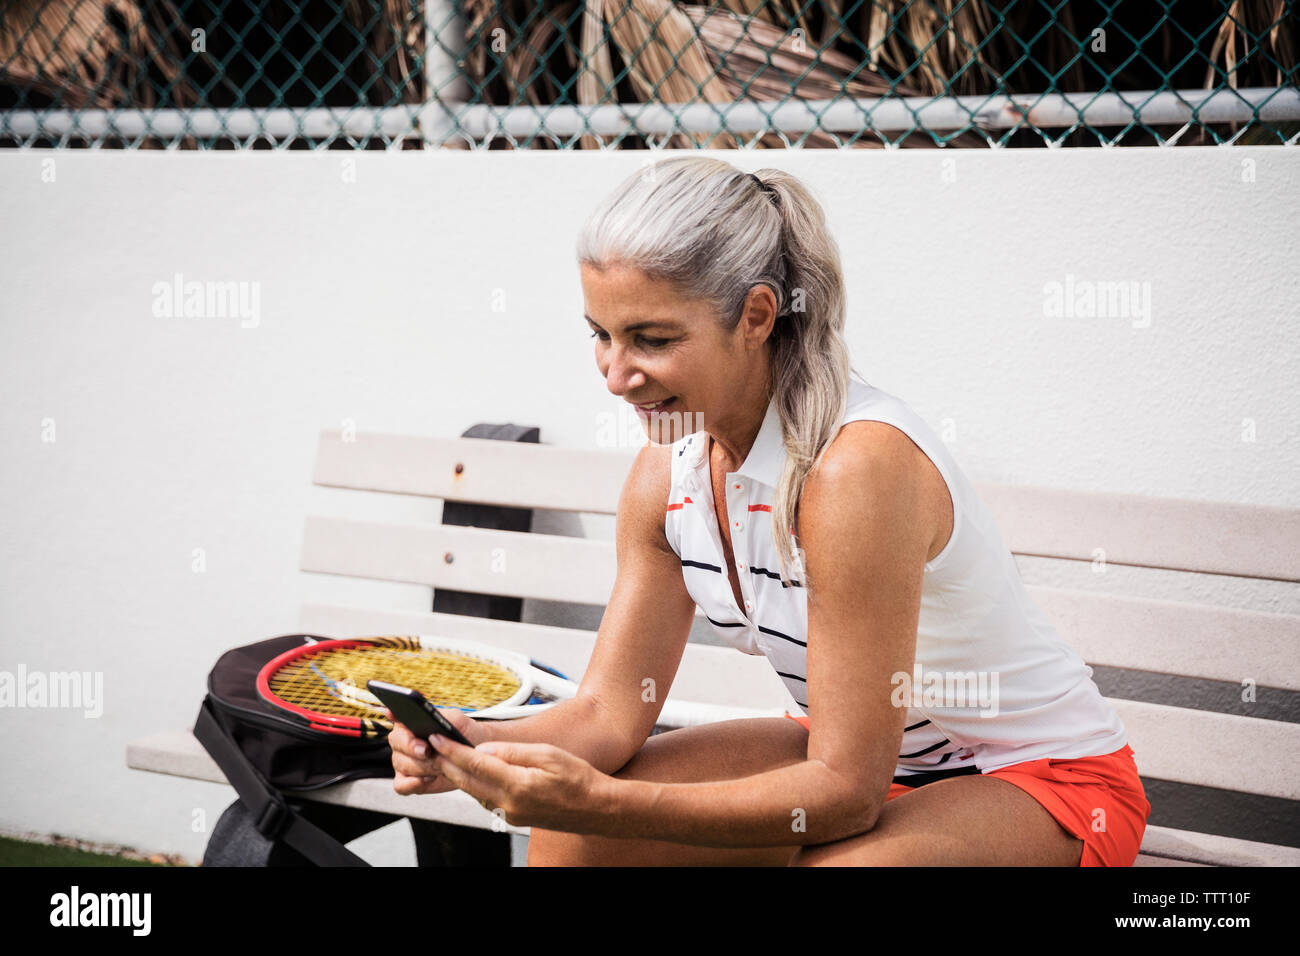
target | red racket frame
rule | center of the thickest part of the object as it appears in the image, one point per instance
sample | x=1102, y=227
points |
x=327, y=723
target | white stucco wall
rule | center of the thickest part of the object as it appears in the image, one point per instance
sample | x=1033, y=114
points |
x=438, y=290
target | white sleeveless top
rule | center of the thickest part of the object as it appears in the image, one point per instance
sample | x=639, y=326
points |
x=994, y=684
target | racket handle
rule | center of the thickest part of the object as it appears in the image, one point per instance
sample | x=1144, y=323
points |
x=512, y=713
x=676, y=713
x=679, y=713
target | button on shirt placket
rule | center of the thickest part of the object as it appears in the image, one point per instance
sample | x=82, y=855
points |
x=738, y=514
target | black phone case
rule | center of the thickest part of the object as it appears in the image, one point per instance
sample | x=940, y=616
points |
x=410, y=707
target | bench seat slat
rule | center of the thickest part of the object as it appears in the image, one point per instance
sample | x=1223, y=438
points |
x=1150, y=859
x=179, y=753
x=1245, y=754
x=1189, y=846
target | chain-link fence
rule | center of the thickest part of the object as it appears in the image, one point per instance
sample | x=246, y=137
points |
x=645, y=73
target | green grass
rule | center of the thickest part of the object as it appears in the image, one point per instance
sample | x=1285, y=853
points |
x=21, y=853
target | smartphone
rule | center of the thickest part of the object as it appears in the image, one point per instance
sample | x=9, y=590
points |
x=412, y=709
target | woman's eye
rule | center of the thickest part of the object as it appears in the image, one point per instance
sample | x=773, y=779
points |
x=648, y=342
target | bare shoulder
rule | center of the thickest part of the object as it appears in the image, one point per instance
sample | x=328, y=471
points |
x=871, y=465
x=876, y=442
x=643, y=503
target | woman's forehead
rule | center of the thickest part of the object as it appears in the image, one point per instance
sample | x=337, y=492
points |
x=625, y=294
x=617, y=276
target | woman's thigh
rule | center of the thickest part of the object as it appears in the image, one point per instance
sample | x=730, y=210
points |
x=963, y=821
x=722, y=751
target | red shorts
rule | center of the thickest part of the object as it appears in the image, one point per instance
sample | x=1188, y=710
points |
x=1099, y=800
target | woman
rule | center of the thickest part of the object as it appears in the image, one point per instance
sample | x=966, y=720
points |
x=949, y=722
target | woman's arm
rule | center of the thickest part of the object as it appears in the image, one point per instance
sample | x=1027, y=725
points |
x=868, y=518
x=642, y=636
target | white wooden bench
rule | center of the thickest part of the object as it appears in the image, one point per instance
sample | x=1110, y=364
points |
x=1171, y=743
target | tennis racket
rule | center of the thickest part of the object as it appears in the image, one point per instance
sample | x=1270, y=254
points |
x=324, y=683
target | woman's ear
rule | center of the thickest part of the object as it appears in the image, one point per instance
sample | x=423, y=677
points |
x=758, y=318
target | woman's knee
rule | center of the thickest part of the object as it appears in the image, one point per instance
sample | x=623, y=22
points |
x=557, y=848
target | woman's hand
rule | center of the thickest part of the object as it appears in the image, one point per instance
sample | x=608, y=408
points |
x=415, y=762
x=528, y=784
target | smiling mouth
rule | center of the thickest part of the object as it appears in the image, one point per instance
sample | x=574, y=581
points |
x=658, y=406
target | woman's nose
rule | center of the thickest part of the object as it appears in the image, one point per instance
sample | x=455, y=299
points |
x=621, y=375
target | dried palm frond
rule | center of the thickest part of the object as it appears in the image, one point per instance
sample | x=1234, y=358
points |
x=1225, y=42
x=758, y=61
x=596, y=71
x=936, y=43
x=1248, y=20
x=72, y=50
x=665, y=60
x=761, y=56
x=395, y=40
x=1266, y=23
x=491, y=28
x=522, y=62
x=397, y=43
x=479, y=18
x=92, y=53
x=527, y=70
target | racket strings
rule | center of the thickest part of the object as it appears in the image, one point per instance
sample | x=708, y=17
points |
x=333, y=681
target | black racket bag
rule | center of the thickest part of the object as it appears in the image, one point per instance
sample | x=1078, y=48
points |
x=265, y=754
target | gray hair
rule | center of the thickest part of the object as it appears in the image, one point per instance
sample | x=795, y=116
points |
x=715, y=232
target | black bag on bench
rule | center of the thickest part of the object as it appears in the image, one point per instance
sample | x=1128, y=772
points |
x=264, y=753
x=267, y=756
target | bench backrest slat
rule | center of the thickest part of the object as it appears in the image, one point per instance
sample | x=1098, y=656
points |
x=518, y=474
x=1173, y=637
x=1253, y=541
x=510, y=563
x=1205, y=536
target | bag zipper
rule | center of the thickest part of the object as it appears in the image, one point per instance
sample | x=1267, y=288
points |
x=281, y=725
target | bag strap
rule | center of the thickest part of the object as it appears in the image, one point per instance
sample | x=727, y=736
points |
x=275, y=818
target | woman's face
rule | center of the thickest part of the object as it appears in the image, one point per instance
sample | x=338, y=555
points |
x=654, y=345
